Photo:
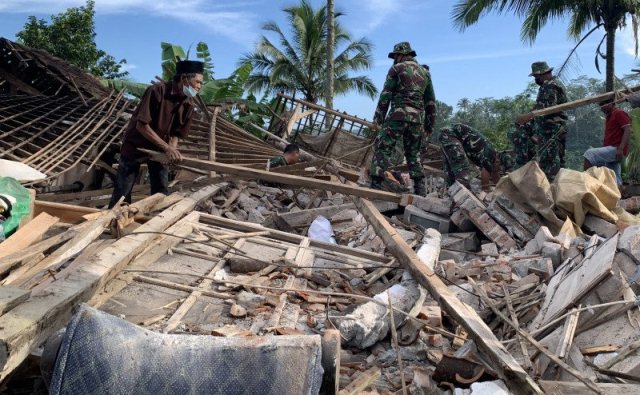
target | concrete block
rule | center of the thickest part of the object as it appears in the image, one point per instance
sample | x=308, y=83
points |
x=453, y=255
x=541, y=267
x=467, y=241
x=552, y=251
x=532, y=247
x=383, y=205
x=510, y=220
x=430, y=204
x=461, y=221
x=427, y=220
x=630, y=240
x=475, y=211
x=599, y=226
x=490, y=248
x=543, y=235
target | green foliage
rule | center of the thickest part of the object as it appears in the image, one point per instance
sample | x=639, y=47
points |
x=71, y=36
x=170, y=54
x=135, y=89
x=297, y=63
x=202, y=51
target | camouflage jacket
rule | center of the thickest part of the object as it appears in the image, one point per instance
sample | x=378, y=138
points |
x=551, y=93
x=277, y=161
x=404, y=89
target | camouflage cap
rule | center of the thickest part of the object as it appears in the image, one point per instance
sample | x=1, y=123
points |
x=538, y=68
x=403, y=48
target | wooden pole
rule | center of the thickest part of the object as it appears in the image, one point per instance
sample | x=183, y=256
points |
x=281, y=178
x=582, y=102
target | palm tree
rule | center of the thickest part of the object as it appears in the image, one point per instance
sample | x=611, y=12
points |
x=584, y=14
x=299, y=63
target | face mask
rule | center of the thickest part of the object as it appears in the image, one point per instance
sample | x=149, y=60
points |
x=189, y=91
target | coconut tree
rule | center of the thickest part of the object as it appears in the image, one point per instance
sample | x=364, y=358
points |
x=585, y=17
x=297, y=63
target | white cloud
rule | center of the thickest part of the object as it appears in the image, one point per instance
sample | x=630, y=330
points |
x=230, y=20
x=500, y=54
x=128, y=67
x=625, y=39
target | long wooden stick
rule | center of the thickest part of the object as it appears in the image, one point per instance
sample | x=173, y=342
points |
x=582, y=102
x=281, y=178
x=394, y=336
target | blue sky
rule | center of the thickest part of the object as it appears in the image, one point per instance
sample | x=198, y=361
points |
x=486, y=60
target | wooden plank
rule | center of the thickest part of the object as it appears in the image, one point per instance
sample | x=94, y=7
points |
x=9, y=261
x=599, y=349
x=23, y=274
x=574, y=285
x=27, y=234
x=10, y=297
x=49, y=307
x=282, y=178
x=574, y=388
x=506, y=366
x=568, y=332
x=68, y=213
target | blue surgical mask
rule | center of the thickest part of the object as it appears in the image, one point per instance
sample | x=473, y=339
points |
x=189, y=91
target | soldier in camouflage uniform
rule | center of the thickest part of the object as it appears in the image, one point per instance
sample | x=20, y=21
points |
x=430, y=110
x=462, y=144
x=543, y=137
x=404, y=90
x=290, y=156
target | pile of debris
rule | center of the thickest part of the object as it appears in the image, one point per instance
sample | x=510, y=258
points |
x=490, y=299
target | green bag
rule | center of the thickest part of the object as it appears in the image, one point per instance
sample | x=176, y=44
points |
x=11, y=187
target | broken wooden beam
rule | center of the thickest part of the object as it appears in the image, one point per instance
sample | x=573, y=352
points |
x=506, y=366
x=286, y=179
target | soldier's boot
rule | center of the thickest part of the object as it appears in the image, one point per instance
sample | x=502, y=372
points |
x=418, y=186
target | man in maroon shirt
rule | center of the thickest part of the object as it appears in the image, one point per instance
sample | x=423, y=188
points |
x=163, y=115
x=616, y=140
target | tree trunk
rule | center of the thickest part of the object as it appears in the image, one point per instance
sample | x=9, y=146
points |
x=611, y=43
x=330, y=51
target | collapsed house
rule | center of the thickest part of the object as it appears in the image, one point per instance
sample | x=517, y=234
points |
x=314, y=283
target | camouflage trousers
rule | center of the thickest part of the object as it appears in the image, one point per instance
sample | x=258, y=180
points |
x=392, y=131
x=461, y=147
x=424, y=148
x=534, y=140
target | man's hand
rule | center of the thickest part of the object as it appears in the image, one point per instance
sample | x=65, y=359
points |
x=524, y=118
x=375, y=127
x=620, y=153
x=173, y=154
